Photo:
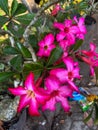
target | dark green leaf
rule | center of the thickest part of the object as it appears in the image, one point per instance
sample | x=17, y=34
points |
x=3, y=20
x=5, y=75
x=25, y=19
x=10, y=50
x=77, y=45
x=55, y=55
x=24, y=51
x=16, y=62
x=4, y=6
x=33, y=41
x=96, y=73
x=14, y=7
x=35, y=67
x=16, y=29
x=88, y=117
x=96, y=114
x=20, y=9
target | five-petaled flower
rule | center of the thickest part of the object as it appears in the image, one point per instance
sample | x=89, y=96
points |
x=69, y=74
x=46, y=46
x=30, y=95
x=58, y=93
x=90, y=57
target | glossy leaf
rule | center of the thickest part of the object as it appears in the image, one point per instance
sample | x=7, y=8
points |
x=25, y=19
x=55, y=55
x=10, y=50
x=16, y=62
x=3, y=20
x=35, y=67
x=5, y=75
x=20, y=9
x=96, y=114
x=24, y=51
x=4, y=6
x=77, y=45
x=14, y=7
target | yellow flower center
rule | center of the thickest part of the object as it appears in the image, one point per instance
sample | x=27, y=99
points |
x=30, y=94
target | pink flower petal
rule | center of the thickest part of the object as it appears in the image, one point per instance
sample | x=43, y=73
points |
x=17, y=91
x=49, y=39
x=52, y=83
x=65, y=91
x=24, y=101
x=50, y=105
x=29, y=82
x=60, y=36
x=33, y=108
x=59, y=26
x=65, y=104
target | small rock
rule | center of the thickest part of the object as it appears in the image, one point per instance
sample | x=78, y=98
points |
x=8, y=108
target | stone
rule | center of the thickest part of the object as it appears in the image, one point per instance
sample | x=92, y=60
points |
x=8, y=108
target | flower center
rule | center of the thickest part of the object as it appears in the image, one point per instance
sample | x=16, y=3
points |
x=66, y=29
x=30, y=93
x=45, y=47
x=70, y=75
x=55, y=93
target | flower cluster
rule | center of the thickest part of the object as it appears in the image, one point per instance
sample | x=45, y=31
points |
x=58, y=84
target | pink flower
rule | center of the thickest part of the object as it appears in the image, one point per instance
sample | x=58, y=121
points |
x=30, y=96
x=55, y=10
x=58, y=93
x=82, y=29
x=46, y=45
x=67, y=31
x=69, y=74
x=90, y=57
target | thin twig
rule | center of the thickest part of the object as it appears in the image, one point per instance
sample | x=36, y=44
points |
x=27, y=30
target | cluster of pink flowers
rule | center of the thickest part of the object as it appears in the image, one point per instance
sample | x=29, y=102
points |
x=59, y=83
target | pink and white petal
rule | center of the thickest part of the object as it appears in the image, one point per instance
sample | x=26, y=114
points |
x=70, y=38
x=73, y=86
x=59, y=26
x=60, y=73
x=29, y=82
x=60, y=36
x=17, y=91
x=42, y=96
x=92, y=46
x=41, y=43
x=76, y=73
x=52, y=83
x=69, y=63
x=33, y=107
x=24, y=101
x=68, y=22
x=50, y=105
x=74, y=29
x=65, y=104
x=49, y=39
x=92, y=71
x=65, y=91
x=40, y=53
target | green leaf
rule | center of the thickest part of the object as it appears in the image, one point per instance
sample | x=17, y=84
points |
x=35, y=67
x=16, y=62
x=88, y=117
x=10, y=50
x=96, y=73
x=14, y=7
x=3, y=20
x=4, y=6
x=55, y=55
x=77, y=45
x=20, y=9
x=5, y=75
x=96, y=114
x=25, y=19
x=24, y=51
